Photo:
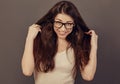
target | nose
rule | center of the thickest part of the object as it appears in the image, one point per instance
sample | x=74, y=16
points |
x=63, y=28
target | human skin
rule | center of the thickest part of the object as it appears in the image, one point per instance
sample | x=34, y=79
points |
x=28, y=65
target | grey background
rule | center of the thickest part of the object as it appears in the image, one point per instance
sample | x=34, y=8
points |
x=17, y=15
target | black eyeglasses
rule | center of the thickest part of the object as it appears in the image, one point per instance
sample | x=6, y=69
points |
x=67, y=25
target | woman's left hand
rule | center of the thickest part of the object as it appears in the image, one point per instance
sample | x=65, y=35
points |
x=94, y=38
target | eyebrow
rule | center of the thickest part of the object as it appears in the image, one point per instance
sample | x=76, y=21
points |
x=61, y=20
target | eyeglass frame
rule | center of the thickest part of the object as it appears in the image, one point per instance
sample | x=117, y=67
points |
x=64, y=25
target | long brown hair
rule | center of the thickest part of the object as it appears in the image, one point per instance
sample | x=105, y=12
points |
x=45, y=44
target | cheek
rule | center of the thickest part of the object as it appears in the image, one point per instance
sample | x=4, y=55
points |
x=55, y=30
x=70, y=31
x=58, y=31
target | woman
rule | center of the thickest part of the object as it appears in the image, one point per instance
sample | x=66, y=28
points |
x=59, y=45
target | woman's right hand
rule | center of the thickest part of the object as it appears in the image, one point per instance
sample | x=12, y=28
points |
x=33, y=31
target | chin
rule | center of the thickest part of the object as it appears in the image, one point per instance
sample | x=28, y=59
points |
x=62, y=37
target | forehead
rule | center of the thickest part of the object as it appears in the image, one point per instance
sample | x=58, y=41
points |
x=63, y=17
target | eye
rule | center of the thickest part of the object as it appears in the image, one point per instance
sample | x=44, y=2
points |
x=58, y=23
x=69, y=24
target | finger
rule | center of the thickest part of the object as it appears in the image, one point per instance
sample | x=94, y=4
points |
x=94, y=35
x=92, y=32
x=89, y=32
x=36, y=25
x=38, y=29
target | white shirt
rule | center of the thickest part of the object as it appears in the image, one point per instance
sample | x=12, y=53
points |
x=62, y=73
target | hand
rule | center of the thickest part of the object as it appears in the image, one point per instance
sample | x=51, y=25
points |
x=94, y=38
x=33, y=31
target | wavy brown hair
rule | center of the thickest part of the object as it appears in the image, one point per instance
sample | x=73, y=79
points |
x=45, y=44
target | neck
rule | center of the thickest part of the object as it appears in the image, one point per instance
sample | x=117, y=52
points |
x=62, y=45
x=62, y=41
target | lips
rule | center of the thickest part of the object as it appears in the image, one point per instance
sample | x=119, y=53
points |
x=62, y=34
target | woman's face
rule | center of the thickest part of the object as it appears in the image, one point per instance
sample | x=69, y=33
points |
x=63, y=25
